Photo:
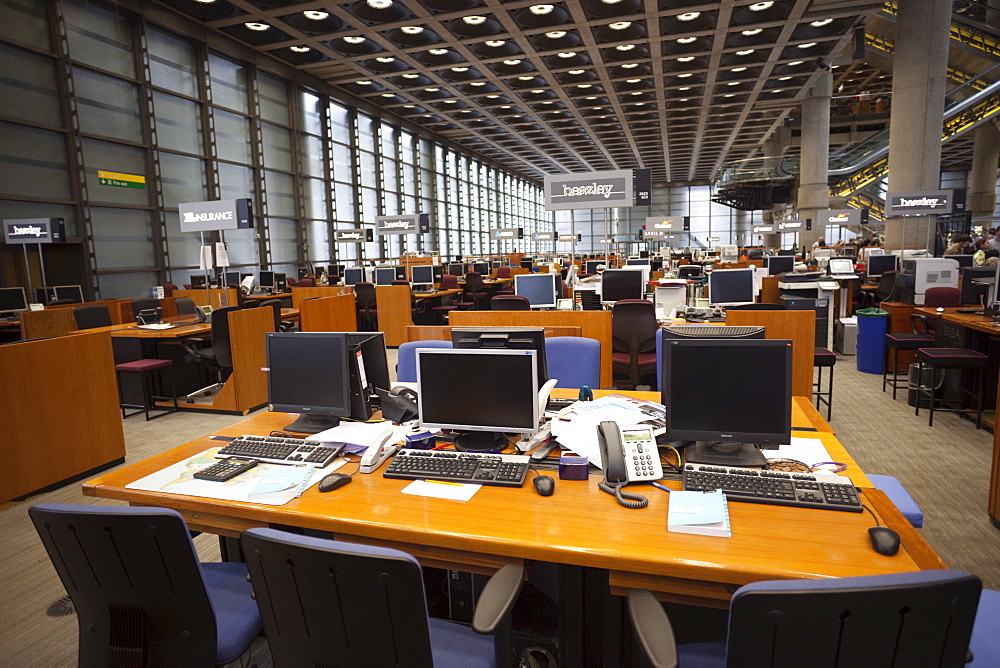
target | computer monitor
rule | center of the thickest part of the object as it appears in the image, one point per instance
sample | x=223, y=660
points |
x=527, y=263
x=787, y=251
x=45, y=295
x=876, y=265
x=742, y=397
x=12, y=299
x=266, y=279
x=618, y=284
x=637, y=261
x=840, y=265
x=226, y=278
x=690, y=271
x=73, y=293
x=385, y=275
x=591, y=266
x=973, y=291
x=847, y=251
x=963, y=260
x=511, y=338
x=354, y=275
x=481, y=268
x=422, y=274
x=504, y=399
x=780, y=264
x=731, y=286
x=198, y=280
x=540, y=289
x=496, y=264
x=456, y=268
x=686, y=332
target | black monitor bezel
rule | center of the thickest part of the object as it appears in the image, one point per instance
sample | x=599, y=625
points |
x=868, y=264
x=536, y=334
x=337, y=346
x=612, y=275
x=76, y=290
x=23, y=304
x=780, y=261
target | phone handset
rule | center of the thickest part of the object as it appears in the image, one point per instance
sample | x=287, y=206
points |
x=379, y=451
x=628, y=454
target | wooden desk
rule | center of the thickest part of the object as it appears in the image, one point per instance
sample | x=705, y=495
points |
x=579, y=526
x=335, y=313
x=259, y=297
x=394, y=312
x=300, y=294
x=214, y=297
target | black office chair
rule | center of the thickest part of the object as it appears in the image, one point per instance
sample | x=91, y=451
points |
x=186, y=306
x=140, y=595
x=88, y=317
x=366, y=305
x=922, y=618
x=510, y=303
x=217, y=357
x=328, y=602
x=279, y=324
x=143, y=305
x=475, y=292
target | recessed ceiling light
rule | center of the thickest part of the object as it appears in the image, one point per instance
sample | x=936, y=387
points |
x=733, y=83
x=684, y=75
x=505, y=106
x=540, y=10
x=683, y=99
x=611, y=2
x=784, y=78
x=685, y=59
x=409, y=106
x=821, y=23
x=567, y=54
x=478, y=83
x=619, y=25
x=556, y=34
x=729, y=95
x=449, y=101
x=380, y=4
x=744, y=52
x=760, y=6
x=794, y=63
x=411, y=75
x=585, y=86
x=412, y=30
x=807, y=45
x=737, y=69
x=474, y=20
x=576, y=72
x=205, y=2
x=638, y=92
x=433, y=89
x=776, y=90
x=300, y=49
x=537, y=91
x=437, y=52
x=460, y=69
x=256, y=27
x=548, y=102
x=684, y=88
x=525, y=78
x=354, y=39
x=633, y=81
x=686, y=40
x=385, y=59
x=625, y=47
x=751, y=33
x=315, y=15
x=363, y=82
x=629, y=66
x=388, y=95
x=688, y=16
x=515, y=61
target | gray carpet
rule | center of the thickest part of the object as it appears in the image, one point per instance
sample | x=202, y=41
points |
x=946, y=468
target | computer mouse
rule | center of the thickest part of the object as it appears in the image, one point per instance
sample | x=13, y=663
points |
x=884, y=540
x=544, y=485
x=332, y=481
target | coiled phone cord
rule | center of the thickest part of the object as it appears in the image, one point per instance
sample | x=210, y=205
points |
x=615, y=490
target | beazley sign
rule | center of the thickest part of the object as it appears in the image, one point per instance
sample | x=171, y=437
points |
x=416, y=223
x=223, y=214
x=354, y=236
x=921, y=203
x=596, y=190
x=32, y=230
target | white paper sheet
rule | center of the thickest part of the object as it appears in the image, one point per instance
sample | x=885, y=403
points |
x=360, y=434
x=453, y=491
x=806, y=450
x=221, y=256
x=205, y=258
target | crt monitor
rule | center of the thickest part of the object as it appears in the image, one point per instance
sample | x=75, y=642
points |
x=876, y=265
x=354, y=275
x=505, y=399
x=618, y=284
x=12, y=299
x=74, y=293
x=780, y=264
x=690, y=271
x=422, y=274
x=591, y=266
x=511, y=338
x=731, y=286
x=742, y=397
x=456, y=268
x=482, y=268
x=527, y=263
x=266, y=279
x=385, y=275
x=540, y=289
x=496, y=264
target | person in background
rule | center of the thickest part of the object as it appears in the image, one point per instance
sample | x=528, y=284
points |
x=875, y=242
x=961, y=245
x=819, y=243
x=994, y=240
x=979, y=254
x=992, y=258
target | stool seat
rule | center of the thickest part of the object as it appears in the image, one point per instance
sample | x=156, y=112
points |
x=143, y=365
x=896, y=341
x=952, y=358
x=824, y=357
x=901, y=498
x=908, y=340
x=145, y=368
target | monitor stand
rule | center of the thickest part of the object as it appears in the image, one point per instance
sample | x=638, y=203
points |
x=480, y=441
x=312, y=424
x=724, y=453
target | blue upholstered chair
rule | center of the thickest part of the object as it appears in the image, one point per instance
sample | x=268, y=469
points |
x=140, y=594
x=894, y=489
x=857, y=620
x=406, y=363
x=574, y=360
x=327, y=602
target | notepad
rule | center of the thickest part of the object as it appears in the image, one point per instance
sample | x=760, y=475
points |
x=281, y=482
x=705, y=513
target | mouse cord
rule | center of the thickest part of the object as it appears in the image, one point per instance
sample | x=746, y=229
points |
x=615, y=489
x=877, y=523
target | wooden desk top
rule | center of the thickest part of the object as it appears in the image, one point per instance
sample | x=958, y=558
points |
x=971, y=320
x=186, y=326
x=436, y=293
x=262, y=297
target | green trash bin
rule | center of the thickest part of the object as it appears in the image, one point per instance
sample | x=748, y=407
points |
x=872, y=325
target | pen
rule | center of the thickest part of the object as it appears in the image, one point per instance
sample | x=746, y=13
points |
x=442, y=482
x=659, y=486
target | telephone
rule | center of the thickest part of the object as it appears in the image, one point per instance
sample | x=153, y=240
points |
x=399, y=405
x=628, y=454
x=379, y=451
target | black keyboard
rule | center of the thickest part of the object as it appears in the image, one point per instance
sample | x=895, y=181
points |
x=278, y=450
x=774, y=487
x=478, y=468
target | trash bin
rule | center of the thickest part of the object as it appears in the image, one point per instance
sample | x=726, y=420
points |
x=871, y=339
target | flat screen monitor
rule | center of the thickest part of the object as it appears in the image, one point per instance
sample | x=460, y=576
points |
x=510, y=338
x=618, y=284
x=422, y=274
x=198, y=280
x=840, y=265
x=266, y=279
x=527, y=263
x=963, y=260
x=73, y=293
x=504, y=399
x=591, y=267
x=690, y=271
x=540, y=289
x=731, y=286
x=226, y=278
x=847, y=251
x=742, y=398
x=780, y=264
x=456, y=269
x=638, y=261
x=45, y=295
x=354, y=275
x=876, y=265
x=496, y=264
x=12, y=299
x=385, y=275
x=481, y=268
x=973, y=291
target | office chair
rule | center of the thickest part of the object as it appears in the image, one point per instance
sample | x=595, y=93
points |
x=141, y=597
x=510, y=303
x=186, y=306
x=449, y=282
x=406, y=362
x=168, y=289
x=574, y=360
x=241, y=295
x=292, y=282
x=143, y=304
x=217, y=357
x=935, y=297
x=503, y=272
x=475, y=292
x=922, y=618
x=304, y=283
x=88, y=317
x=634, y=330
x=328, y=602
x=279, y=324
x=366, y=305
x=886, y=283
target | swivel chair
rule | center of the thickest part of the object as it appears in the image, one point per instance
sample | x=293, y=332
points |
x=510, y=303
x=168, y=289
x=217, y=357
x=634, y=331
x=935, y=297
x=279, y=324
x=142, y=305
x=88, y=317
x=366, y=304
x=448, y=303
x=305, y=283
x=574, y=361
x=406, y=361
x=185, y=306
x=475, y=292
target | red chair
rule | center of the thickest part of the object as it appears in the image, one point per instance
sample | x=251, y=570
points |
x=449, y=282
x=291, y=282
x=633, y=335
x=168, y=289
x=303, y=283
x=935, y=297
x=503, y=272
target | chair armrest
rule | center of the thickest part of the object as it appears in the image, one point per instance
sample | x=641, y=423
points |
x=191, y=346
x=498, y=598
x=652, y=628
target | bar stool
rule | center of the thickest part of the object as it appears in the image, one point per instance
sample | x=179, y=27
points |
x=951, y=358
x=896, y=341
x=146, y=368
x=823, y=358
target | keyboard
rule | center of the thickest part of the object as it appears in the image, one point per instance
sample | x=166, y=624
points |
x=278, y=450
x=774, y=487
x=479, y=468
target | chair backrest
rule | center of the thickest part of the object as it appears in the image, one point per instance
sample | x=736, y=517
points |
x=473, y=282
x=290, y=280
x=365, y=295
x=275, y=305
x=503, y=272
x=886, y=283
x=633, y=326
x=326, y=602
x=135, y=582
x=574, y=361
x=510, y=303
x=900, y=619
x=406, y=363
x=185, y=306
x=449, y=282
x=305, y=283
x=220, y=336
x=95, y=315
x=168, y=289
x=935, y=297
x=143, y=304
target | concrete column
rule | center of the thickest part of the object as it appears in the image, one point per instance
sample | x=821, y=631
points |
x=982, y=190
x=918, y=86
x=774, y=148
x=814, y=192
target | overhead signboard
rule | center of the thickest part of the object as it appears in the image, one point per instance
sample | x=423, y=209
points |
x=671, y=224
x=790, y=225
x=544, y=236
x=417, y=223
x=843, y=217
x=33, y=230
x=570, y=237
x=596, y=190
x=924, y=203
x=507, y=233
x=119, y=180
x=353, y=236
x=763, y=229
x=654, y=236
x=223, y=214
x=643, y=187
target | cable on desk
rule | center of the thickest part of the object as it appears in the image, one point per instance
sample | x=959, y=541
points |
x=635, y=501
x=679, y=466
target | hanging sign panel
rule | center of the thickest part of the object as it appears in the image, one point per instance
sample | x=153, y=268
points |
x=544, y=236
x=223, y=214
x=843, y=217
x=416, y=223
x=596, y=190
x=355, y=236
x=33, y=230
x=119, y=180
x=924, y=203
x=507, y=233
x=571, y=237
x=675, y=223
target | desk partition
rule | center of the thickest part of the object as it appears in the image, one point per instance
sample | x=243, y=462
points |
x=335, y=313
x=48, y=323
x=394, y=314
x=301, y=294
x=800, y=327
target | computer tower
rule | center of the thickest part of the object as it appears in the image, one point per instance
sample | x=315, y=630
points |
x=463, y=592
x=820, y=306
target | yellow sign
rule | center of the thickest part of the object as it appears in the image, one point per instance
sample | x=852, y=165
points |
x=121, y=180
